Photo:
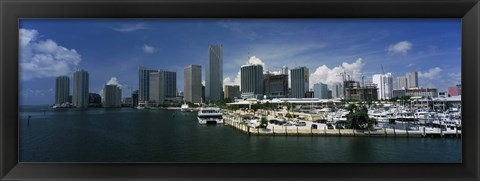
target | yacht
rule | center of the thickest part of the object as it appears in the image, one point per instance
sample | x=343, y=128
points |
x=184, y=108
x=207, y=115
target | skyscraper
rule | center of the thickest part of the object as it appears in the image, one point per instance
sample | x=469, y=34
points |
x=276, y=86
x=112, y=96
x=144, y=83
x=401, y=83
x=80, y=89
x=156, y=88
x=284, y=70
x=337, y=90
x=214, y=73
x=384, y=85
x=412, y=79
x=62, y=90
x=320, y=91
x=299, y=78
x=170, y=86
x=193, y=83
x=251, y=80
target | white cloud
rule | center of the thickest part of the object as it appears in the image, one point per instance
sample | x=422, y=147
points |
x=114, y=81
x=130, y=27
x=401, y=47
x=44, y=58
x=235, y=81
x=432, y=74
x=148, y=49
x=326, y=75
x=255, y=60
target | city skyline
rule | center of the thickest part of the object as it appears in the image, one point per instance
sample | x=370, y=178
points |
x=111, y=49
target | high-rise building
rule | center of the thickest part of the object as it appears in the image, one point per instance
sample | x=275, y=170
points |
x=214, y=73
x=400, y=83
x=193, y=83
x=320, y=91
x=299, y=78
x=170, y=86
x=144, y=83
x=94, y=100
x=135, y=98
x=156, y=91
x=284, y=70
x=62, y=90
x=231, y=91
x=251, y=80
x=276, y=86
x=80, y=89
x=384, y=85
x=353, y=91
x=337, y=90
x=112, y=96
x=412, y=80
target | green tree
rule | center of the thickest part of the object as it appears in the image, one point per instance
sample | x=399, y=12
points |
x=263, y=122
x=358, y=118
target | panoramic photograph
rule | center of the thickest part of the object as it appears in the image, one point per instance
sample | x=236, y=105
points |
x=240, y=90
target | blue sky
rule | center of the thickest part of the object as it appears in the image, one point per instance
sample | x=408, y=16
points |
x=111, y=50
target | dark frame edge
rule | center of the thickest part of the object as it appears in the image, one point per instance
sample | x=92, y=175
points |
x=11, y=170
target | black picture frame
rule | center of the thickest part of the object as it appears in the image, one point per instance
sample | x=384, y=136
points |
x=11, y=11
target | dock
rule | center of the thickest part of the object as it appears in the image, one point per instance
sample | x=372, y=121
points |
x=235, y=123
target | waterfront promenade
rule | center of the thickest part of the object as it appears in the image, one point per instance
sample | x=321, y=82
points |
x=279, y=130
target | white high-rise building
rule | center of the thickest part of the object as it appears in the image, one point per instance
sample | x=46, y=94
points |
x=412, y=79
x=193, y=83
x=284, y=70
x=156, y=91
x=337, y=90
x=384, y=85
x=251, y=80
x=62, y=90
x=401, y=83
x=214, y=73
x=299, y=79
x=80, y=89
x=112, y=96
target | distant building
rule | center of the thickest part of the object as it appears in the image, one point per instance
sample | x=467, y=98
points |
x=353, y=91
x=135, y=98
x=80, y=89
x=337, y=90
x=300, y=82
x=214, y=73
x=400, y=83
x=454, y=90
x=156, y=89
x=276, y=86
x=62, y=90
x=231, y=92
x=320, y=91
x=112, y=96
x=423, y=92
x=284, y=70
x=251, y=80
x=330, y=96
x=94, y=100
x=399, y=93
x=144, y=83
x=309, y=94
x=412, y=80
x=384, y=85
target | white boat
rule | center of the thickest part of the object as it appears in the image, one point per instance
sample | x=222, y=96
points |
x=184, y=108
x=207, y=115
x=141, y=105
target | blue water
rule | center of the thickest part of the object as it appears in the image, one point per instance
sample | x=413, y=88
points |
x=130, y=135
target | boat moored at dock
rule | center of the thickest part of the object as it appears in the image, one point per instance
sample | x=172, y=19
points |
x=210, y=115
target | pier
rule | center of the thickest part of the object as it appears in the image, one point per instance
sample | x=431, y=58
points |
x=237, y=124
